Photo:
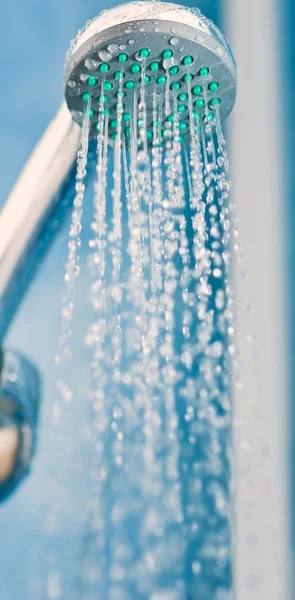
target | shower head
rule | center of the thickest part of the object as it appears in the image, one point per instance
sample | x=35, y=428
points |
x=167, y=49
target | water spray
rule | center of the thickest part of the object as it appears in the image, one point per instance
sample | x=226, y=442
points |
x=156, y=81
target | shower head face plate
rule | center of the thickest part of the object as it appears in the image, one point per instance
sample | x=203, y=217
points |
x=181, y=58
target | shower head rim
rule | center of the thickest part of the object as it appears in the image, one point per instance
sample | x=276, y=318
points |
x=147, y=10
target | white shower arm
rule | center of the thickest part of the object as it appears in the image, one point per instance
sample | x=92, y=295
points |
x=30, y=200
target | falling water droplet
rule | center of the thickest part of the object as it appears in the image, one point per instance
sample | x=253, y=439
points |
x=105, y=55
x=91, y=64
x=113, y=48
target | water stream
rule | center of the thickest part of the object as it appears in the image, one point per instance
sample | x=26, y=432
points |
x=157, y=524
